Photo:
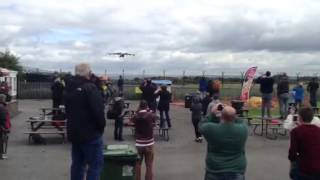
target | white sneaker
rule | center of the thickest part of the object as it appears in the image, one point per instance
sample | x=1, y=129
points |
x=4, y=156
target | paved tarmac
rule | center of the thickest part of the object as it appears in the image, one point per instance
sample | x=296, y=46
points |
x=179, y=159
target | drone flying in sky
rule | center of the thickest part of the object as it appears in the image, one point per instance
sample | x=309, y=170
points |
x=120, y=54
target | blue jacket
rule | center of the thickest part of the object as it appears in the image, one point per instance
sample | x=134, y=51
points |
x=203, y=85
x=299, y=93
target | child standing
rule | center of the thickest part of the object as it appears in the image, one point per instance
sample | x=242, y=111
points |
x=299, y=94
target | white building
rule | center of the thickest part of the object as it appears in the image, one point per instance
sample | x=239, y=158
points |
x=11, y=78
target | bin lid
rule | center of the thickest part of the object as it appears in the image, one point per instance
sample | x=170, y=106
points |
x=120, y=150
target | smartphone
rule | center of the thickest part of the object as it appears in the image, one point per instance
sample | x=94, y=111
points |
x=295, y=118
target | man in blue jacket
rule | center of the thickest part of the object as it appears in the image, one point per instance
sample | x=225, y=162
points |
x=203, y=84
x=85, y=125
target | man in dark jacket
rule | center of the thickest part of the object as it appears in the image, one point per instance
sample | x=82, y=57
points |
x=120, y=84
x=85, y=125
x=312, y=88
x=148, y=89
x=283, y=95
x=266, y=88
x=164, y=105
x=203, y=85
x=57, y=89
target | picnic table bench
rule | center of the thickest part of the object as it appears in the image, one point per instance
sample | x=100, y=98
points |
x=40, y=125
x=267, y=124
x=162, y=132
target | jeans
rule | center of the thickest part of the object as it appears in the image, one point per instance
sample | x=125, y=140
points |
x=313, y=99
x=224, y=176
x=266, y=104
x=146, y=153
x=87, y=158
x=307, y=177
x=195, y=122
x=118, y=127
x=284, y=104
x=162, y=120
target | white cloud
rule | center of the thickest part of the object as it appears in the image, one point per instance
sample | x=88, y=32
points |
x=216, y=36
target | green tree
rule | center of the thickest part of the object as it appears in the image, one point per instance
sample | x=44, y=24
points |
x=10, y=61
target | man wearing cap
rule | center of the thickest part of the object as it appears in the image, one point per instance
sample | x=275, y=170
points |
x=226, y=157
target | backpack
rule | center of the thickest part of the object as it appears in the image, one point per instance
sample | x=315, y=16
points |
x=115, y=109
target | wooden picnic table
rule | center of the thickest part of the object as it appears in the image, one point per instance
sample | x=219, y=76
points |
x=266, y=123
x=45, y=126
x=45, y=111
x=163, y=132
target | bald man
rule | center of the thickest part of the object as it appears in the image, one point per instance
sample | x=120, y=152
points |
x=226, y=139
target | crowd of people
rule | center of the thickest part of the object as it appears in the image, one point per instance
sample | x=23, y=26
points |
x=85, y=97
x=218, y=123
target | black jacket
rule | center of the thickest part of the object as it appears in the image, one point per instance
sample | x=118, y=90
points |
x=85, y=111
x=165, y=99
x=313, y=87
x=57, y=89
x=283, y=86
x=266, y=84
x=148, y=92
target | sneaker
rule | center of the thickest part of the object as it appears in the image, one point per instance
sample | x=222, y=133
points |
x=200, y=139
x=4, y=156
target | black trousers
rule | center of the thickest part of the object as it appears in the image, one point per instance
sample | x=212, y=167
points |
x=167, y=119
x=56, y=102
x=118, y=128
x=195, y=122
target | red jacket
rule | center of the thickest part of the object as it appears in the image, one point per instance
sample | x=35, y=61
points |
x=305, y=148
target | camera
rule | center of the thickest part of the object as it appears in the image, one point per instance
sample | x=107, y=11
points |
x=220, y=107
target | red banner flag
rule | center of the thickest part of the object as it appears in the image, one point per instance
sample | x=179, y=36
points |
x=247, y=83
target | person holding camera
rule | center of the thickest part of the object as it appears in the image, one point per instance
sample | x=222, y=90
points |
x=148, y=94
x=266, y=88
x=305, y=147
x=164, y=105
x=226, y=137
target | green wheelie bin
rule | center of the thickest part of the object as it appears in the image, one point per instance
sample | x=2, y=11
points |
x=119, y=162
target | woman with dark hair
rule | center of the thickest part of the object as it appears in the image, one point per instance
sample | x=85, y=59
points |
x=164, y=105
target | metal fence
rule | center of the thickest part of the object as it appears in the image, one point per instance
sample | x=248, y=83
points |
x=41, y=90
x=34, y=90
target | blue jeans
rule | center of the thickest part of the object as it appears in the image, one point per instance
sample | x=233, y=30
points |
x=224, y=176
x=87, y=158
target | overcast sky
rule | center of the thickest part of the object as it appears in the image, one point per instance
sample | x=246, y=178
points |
x=204, y=35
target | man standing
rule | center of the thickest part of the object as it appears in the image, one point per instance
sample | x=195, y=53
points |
x=120, y=84
x=266, y=88
x=144, y=123
x=57, y=89
x=283, y=96
x=312, y=88
x=148, y=94
x=226, y=157
x=203, y=85
x=85, y=125
x=305, y=147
